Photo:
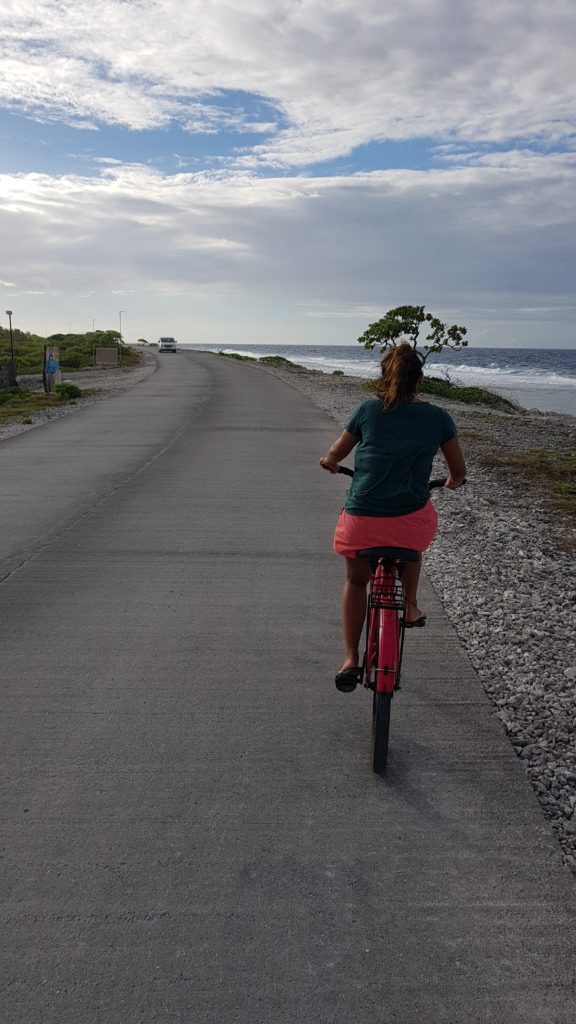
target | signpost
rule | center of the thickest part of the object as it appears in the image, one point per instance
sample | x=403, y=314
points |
x=105, y=357
x=8, y=370
x=51, y=373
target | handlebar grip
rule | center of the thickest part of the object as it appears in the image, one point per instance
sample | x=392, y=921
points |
x=345, y=471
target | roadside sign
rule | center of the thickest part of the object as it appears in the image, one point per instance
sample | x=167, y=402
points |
x=51, y=374
x=8, y=374
x=106, y=357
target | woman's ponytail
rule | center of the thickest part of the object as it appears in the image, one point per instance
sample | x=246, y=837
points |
x=401, y=371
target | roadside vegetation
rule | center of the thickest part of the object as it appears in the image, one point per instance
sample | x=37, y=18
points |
x=438, y=387
x=19, y=404
x=444, y=388
x=278, y=361
x=552, y=473
x=76, y=350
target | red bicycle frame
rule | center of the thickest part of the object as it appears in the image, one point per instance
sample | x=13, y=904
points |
x=385, y=626
x=385, y=619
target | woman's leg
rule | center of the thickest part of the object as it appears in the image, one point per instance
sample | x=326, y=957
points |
x=411, y=578
x=354, y=608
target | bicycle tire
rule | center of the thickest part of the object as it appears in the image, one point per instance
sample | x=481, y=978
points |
x=371, y=656
x=388, y=655
x=380, y=730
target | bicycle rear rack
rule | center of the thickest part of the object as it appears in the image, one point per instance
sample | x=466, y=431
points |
x=387, y=590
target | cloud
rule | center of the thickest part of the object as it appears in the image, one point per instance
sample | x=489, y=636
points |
x=338, y=74
x=488, y=231
x=498, y=232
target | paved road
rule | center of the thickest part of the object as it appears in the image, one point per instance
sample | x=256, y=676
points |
x=191, y=830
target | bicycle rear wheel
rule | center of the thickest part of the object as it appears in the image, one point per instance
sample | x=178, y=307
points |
x=386, y=676
x=380, y=730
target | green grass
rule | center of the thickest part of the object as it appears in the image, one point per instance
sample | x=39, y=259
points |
x=475, y=435
x=554, y=473
x=278, y=361
x=15, y=404
x=67, y=390
x=236, y=355
x=470, y=395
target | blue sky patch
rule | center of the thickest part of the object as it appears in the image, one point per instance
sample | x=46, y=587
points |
x=28, y=144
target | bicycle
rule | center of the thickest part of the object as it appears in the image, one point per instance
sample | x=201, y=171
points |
x=385, y=627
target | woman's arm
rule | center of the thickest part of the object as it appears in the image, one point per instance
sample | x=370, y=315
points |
x=452, y=453
x=339, y=450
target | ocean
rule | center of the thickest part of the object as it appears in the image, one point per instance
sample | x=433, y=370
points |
x=536, y=378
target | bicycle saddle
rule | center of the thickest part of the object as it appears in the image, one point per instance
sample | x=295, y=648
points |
x=395, y=554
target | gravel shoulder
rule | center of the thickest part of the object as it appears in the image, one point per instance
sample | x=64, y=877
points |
x=100, y=383
x=503, y=567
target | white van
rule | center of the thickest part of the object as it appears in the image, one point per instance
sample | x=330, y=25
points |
x=167, y=345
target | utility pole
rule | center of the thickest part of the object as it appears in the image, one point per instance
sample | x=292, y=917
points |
x=13, y=382
x=9, y=315
x=120, y=311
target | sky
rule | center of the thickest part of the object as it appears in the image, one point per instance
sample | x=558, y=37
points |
x=285, y=171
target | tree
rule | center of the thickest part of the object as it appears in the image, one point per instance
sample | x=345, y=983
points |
x=404, y=324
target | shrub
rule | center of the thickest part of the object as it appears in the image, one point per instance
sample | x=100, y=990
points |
x=67, y=391
x=12, y=395
x=238, y=356
x=73, y=358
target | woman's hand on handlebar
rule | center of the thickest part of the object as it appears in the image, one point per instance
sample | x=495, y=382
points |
x=339, y=450
x=455, y=462
x=329, y=463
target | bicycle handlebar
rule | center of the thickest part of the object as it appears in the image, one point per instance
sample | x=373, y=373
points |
x=438, y=482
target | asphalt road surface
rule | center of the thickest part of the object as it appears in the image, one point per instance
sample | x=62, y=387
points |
x=191, y=830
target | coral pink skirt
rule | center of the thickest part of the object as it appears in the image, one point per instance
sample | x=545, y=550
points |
x=415, y=530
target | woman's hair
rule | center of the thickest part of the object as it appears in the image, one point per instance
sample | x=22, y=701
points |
x=401, y=371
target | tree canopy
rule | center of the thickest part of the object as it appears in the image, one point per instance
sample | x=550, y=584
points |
x=404, y=323
x=76, y=350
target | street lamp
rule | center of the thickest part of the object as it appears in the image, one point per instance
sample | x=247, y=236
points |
x=9, y=315
x=93, y=322
x=120, y=311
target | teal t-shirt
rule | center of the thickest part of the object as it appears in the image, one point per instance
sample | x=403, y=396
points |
x=394, y=456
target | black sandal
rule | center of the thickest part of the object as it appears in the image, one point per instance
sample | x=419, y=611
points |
x=417, y=622
x=348, y=679
x=421, y=621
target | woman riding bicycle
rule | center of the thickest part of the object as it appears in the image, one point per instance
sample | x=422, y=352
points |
x=388, y=503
